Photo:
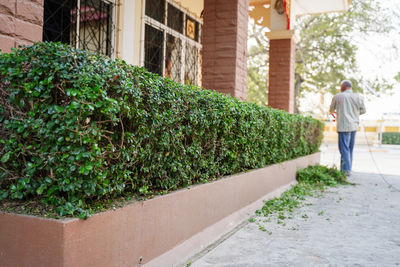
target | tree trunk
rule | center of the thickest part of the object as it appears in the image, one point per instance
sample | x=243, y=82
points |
x=321, y=103
x=298, y=81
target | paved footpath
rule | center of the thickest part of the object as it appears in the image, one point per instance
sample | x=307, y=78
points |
x=346, y=226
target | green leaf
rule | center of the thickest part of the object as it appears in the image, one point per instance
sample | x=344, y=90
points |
x=6, y=157
x=40, y=189
x=3, y=194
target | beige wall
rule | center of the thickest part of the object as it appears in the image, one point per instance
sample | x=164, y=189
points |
x=129, y=30
x=129, y=34
x=138, y=32
x=193, y=6
x=278, y=21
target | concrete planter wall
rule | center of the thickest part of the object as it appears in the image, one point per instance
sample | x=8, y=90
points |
x=142, y=231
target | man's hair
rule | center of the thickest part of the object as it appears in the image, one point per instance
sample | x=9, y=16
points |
x=346, y=83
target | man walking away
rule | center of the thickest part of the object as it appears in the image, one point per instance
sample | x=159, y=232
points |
x=348, y=107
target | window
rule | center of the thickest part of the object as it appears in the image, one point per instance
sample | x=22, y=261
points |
x=84, y=24
x=192, y=28
x=154, y=52
x=191, y=66
x=155, y=9
x=175, y=18
x=173, y=58
x=172, y=45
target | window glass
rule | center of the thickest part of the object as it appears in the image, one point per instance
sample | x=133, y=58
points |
x=57, y=21
x=191, y=65
x=172, y=49
x=175, y=18
x=155, y=9
x=173, y=58
x=153, y=49
x=95, y=24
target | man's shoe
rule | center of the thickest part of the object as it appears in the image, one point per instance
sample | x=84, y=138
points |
x=347, y=174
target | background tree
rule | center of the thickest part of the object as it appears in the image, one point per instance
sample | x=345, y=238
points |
x=326, y=52
x=257, y=65
x=397, y=77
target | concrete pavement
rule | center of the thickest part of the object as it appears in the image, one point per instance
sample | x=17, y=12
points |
x=348, y=226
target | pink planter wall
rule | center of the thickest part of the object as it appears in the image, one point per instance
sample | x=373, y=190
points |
x=142, y=230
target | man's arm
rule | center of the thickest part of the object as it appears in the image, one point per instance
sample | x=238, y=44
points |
x=332, y=108
x=362, y=107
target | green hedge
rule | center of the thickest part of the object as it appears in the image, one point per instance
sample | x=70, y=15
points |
x=77, y=127
x=391, y=138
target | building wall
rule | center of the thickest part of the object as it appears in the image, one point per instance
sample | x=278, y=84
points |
x=281, y=74
x=193, y=6
x=21, y=23
x=137, y=47
x=225, y=47
x=129, y=38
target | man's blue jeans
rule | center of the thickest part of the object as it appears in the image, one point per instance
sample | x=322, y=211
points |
x=346, y=145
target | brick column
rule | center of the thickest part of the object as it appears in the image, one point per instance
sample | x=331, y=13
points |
x=224, y=40
x=21, y=23
x=282, y=55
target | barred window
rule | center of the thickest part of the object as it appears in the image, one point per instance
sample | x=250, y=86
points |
x=191, y=66
x=154, y=52
x=172, y=45
x=175, y=18
x=84, y=24
x=192, y=28
x=155, y=9
x=173, y=57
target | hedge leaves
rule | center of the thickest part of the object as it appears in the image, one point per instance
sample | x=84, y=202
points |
x=77, y=126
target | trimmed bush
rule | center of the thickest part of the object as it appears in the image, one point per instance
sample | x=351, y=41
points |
x=320, y=175
x=77, y=127
x=391, y=138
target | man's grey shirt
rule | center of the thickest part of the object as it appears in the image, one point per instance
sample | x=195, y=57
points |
x=349, y=107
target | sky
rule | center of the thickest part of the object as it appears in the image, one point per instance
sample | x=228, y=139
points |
x=379, y=56
x=386, y=64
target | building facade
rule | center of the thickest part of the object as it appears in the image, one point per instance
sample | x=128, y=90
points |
x=199, y=42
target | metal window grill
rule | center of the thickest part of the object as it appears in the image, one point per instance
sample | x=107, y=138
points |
x=154, y=40
x=173, y=56
x=84, y=24
x=155, y=9
x=192, y=65
x=172, y=46
x=175, y=18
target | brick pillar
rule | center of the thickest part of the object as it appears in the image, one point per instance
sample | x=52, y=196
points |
x=224, y=40
x=21, y=23
x=282, y=55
